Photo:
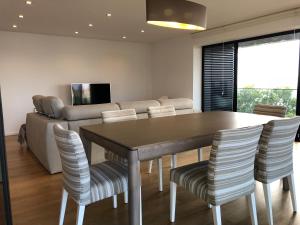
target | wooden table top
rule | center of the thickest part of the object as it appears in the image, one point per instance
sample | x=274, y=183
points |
x=142, y=133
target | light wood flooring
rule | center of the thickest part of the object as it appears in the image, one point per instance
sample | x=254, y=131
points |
x=35, y=197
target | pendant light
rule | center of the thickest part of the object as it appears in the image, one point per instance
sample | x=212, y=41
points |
x=180, y=14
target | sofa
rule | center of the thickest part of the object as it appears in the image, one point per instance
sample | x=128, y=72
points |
x=51, y=110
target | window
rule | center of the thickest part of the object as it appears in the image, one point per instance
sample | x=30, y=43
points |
x=218, y=77
x=268, y=73
x=239, y=74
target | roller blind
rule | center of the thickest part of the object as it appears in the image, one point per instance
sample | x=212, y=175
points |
x=218, y=77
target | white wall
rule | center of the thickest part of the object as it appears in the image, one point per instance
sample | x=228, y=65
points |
x=172, y=67
x=38, y=64
x=177, y=63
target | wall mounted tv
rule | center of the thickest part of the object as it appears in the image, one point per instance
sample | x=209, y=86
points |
x=88, y=93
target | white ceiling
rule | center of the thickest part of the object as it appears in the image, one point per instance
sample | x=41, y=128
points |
x=64, y=17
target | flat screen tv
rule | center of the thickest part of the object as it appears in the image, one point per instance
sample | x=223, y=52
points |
x=88, y=93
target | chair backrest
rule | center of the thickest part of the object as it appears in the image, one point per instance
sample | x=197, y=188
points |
x=119, y=115
x=274, y=159
x=75, y=167
x=161, y=111
x=231, y=164
x=270, y=110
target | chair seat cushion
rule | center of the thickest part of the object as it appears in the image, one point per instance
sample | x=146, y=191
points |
x=193, y=178
x=107, y=179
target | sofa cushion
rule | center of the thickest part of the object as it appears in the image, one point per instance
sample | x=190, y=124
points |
x=83, y=112
x=139, y=106
x=178, y=103
x=37, y=102
x=52, y=106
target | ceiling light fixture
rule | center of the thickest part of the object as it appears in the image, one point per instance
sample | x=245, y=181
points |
x=124, y=37
x=180, y=14
x=108, y=14
x=76, y=32
x=21, y=16
x=91, y=25
x=142, y=31
x=28, y=2
x=14, y=26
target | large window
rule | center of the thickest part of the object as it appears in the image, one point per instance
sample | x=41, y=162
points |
x=268, y=73
x=239, y=74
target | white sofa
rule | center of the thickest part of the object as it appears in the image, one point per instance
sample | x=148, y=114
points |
x=51, y=110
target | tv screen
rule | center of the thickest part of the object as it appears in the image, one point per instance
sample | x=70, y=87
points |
x=87, y=93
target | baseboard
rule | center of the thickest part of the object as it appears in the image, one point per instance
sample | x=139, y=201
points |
x=11, y=134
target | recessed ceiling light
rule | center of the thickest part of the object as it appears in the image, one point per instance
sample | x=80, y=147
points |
x=28, y=2
x=14, y=26
x=21, y=16
x=124, y=37
x=76, y=32
x=142, y=31
x=108, y=14
x=91, y=25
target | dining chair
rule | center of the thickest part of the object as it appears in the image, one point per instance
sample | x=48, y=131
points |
x=274, y=159
x=226, y=176
x=270, y=110
x=113, y=117
x=83, y=183
x=156, y=112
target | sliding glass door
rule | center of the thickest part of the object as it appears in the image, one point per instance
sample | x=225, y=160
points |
x=267, y=73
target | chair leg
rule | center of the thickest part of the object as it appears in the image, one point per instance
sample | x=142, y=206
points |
x=126, y=197
x=150, y=163
x=115, y=201
x=199, y=154
x=80, y=214
x=173, y=187
x=63, y=206
x=160, y=174
x=268, y=200
x=293, y=191
x=217, y=215
x=173, y=161
x=252, y=206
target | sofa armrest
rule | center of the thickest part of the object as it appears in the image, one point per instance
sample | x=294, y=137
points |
x=41, y=141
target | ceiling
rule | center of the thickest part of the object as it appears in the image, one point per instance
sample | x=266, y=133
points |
x=64, y=17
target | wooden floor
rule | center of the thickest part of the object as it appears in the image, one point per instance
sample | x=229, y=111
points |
x=35, y=197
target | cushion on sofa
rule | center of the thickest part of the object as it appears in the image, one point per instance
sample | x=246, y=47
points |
x=139, y=106
x=37, y=102
x=52, y=106
x=178, y=103
x=84, y=112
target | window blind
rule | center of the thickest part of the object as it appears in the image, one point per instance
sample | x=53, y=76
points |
x=219, y=77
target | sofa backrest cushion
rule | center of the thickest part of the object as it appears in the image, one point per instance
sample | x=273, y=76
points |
x=84, y=112
x=52, y=106
x=139, y=106
x=178, y=103
x=37, y=102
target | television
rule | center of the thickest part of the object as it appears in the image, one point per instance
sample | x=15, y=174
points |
x=90, y=93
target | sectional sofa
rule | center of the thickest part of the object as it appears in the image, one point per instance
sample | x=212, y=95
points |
x=51, y=110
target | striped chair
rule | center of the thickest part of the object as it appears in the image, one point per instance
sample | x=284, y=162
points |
x=156, y=112
x=117, y=116
x=274, y=160
x=270, y=110
x=228, y=175
x=113, y=117
x=85, y=184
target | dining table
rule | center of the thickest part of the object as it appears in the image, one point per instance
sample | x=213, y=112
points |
x=146, y=139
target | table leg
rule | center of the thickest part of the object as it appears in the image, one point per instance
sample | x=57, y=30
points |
x=87, y=144
x=134, y=184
